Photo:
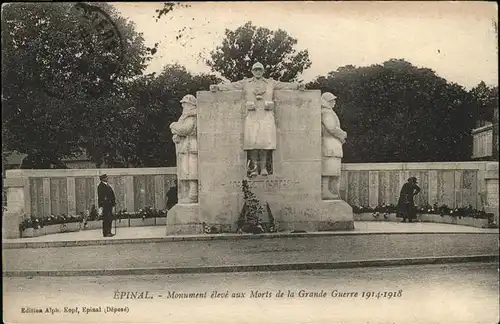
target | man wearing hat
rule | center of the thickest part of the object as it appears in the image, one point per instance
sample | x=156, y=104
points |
x=106, y=201
x=406, y=204
x=260, y=126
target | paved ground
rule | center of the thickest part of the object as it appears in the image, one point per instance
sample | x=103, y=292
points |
x=246, y=252
x=460, y=293
x=159, y=231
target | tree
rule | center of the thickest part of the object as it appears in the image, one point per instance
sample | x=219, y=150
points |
x=486, y=99
x=396, y=112
x=248, y=44
x=138, y=134
x=158, y=103
x=57, y=80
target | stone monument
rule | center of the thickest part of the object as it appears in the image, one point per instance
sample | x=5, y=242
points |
x=268, y=133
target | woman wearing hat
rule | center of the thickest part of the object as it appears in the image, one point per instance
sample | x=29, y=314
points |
x=406, y=204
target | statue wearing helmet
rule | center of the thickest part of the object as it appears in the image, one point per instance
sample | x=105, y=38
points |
x=332, y=138
x=186, y=146
x=260, y=125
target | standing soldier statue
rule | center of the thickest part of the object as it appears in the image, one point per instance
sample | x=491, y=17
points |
x=260, y=125
x=332, y=138
x=186, y=146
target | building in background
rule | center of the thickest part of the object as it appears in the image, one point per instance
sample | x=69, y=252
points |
x=485, y=139
x=81, y=161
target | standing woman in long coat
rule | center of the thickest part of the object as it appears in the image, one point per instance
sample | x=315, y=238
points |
x=406, y=204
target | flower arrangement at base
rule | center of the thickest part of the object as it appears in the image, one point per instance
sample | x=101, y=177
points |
x=250, y=217
x=207, y=229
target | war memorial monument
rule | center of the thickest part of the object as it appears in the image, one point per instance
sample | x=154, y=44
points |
x=284, y=140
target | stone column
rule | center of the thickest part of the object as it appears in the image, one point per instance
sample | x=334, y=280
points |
x=14, y=213
x=491, y=184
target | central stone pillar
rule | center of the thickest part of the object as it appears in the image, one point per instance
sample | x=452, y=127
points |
x=293, y=190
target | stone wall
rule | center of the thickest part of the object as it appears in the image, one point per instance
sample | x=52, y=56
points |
x=72, y=191
x=455, y=184
x=40, y=192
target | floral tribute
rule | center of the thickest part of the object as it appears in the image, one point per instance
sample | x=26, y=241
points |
x=443, y=210
x=250, y=220
x=37, y=222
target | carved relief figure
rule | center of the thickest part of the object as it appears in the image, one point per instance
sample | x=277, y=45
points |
x=332, y=138
x=186, y=146
x=260, y=125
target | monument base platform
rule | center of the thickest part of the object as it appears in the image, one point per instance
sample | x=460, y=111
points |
x=325, y=215
x=184, y=219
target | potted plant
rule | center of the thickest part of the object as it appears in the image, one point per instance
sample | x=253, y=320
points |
x=70, y=223
x=144, y=217
x=93, y=221
x=38, y=228
x=161, y=217
x=52, y=224
x=122, y=218
x=26, y=228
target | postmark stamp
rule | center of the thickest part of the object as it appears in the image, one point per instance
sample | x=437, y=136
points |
x=99, y=56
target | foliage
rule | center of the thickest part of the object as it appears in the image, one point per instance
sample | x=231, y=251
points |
x=442, y=210
x=249, y=44
x=138, y=134
x=250, y=217
x=37, y=222
x=167, y=8
x=143, y=213
x=486, y=99
x=396, y=112
x=44, y=52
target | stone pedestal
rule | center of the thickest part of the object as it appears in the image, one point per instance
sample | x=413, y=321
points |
x=184, y=219
x=293, y=190
x=13, y=215
x=333, y=215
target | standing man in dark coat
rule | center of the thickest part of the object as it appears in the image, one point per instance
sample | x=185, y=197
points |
x=106, y=201
x=406, y=204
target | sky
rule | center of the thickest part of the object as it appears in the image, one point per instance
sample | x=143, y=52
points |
x=457, y=40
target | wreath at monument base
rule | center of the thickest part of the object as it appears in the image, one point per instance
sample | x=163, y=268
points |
x=250, y=220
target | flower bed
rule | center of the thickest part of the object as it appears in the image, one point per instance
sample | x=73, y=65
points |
x=38, y=226
x=52, y=224
x=467, y=216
